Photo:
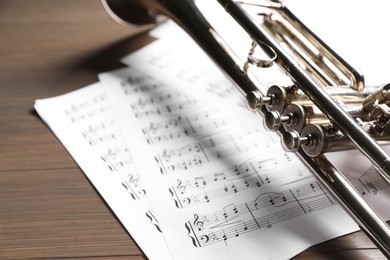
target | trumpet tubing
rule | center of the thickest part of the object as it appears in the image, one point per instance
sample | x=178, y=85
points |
x=278, y=97
x=327, y=108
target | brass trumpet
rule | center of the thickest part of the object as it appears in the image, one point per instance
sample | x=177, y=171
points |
x=322, y=81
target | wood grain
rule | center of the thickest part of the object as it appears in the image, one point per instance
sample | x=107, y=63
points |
x=48, y=209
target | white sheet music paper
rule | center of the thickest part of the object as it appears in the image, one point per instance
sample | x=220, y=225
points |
x=84, y=122
x=219, y=190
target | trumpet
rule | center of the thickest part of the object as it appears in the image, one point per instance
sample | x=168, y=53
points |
x=327, y=108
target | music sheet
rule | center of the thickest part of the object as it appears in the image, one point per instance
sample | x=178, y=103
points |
x=85, y=123
x=219, y=188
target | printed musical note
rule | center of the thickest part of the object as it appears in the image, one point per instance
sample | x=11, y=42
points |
x=213, y=186
x=138, y=83
x=209, y=149
x=370, y=183
x=184, y=125
x=87, y=109
x=162, y=105
x=267, y=210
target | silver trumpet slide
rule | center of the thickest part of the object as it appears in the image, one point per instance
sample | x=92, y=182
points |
x=328, y=107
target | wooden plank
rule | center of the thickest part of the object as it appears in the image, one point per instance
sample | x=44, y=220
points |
x=57, y=213
x=359, y=254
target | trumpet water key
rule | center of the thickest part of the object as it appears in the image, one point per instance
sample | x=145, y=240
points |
x=322, y=82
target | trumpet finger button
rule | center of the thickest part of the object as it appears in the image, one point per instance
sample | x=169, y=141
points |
x=291, y=141
x=273, y=120
x=255, y=100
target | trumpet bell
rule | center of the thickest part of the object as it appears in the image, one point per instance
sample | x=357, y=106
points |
x=129, y=12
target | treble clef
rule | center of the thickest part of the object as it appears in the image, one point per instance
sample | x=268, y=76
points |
x=198, y=223
x=182, y=188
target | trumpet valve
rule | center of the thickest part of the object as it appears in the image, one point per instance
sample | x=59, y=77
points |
x=313, y=140
x=273, y=120
x=255, y=100
x=316, y=140
x=292, y=141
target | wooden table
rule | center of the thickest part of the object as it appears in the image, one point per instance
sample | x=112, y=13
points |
x=48, y=209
